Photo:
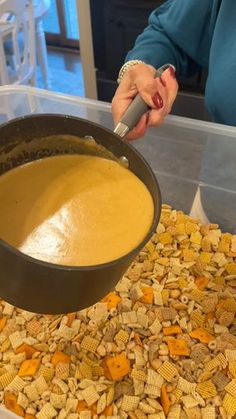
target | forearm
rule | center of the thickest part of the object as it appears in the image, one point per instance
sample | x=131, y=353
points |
x=155, y=47
x=179, y=33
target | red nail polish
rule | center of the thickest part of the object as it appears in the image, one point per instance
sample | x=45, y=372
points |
x=157, y=100
x=172, y=72
x=162, y=82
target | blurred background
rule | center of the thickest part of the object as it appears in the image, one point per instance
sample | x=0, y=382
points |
x=80, y=46
x=61, y=28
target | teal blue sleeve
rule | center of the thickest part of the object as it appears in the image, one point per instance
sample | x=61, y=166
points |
x=179, y=32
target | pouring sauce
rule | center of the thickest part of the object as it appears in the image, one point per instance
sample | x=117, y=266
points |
x=75, y=210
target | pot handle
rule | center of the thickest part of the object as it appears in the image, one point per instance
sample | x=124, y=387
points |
x=136, y=109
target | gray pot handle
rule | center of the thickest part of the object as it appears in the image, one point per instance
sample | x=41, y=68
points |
x=136, y=109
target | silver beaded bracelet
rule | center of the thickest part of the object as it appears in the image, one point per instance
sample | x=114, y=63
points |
x=126, y=67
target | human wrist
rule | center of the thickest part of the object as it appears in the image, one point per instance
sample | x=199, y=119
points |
x=127, y=66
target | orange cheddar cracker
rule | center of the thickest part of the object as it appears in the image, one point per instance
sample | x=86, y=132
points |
x=178, y=347
x=112, y=300
x=118, y=366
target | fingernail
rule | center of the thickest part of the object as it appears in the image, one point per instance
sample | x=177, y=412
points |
x=157, y=100
x=172, y=72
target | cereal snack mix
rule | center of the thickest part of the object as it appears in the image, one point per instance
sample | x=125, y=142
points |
x=161, y=345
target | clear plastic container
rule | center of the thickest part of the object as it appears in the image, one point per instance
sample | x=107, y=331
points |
x=194, y=161
x=6, y=414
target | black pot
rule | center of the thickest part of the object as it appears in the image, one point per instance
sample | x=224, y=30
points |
x=44, y=287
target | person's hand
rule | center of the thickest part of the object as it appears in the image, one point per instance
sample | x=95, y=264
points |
x=158, y=93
